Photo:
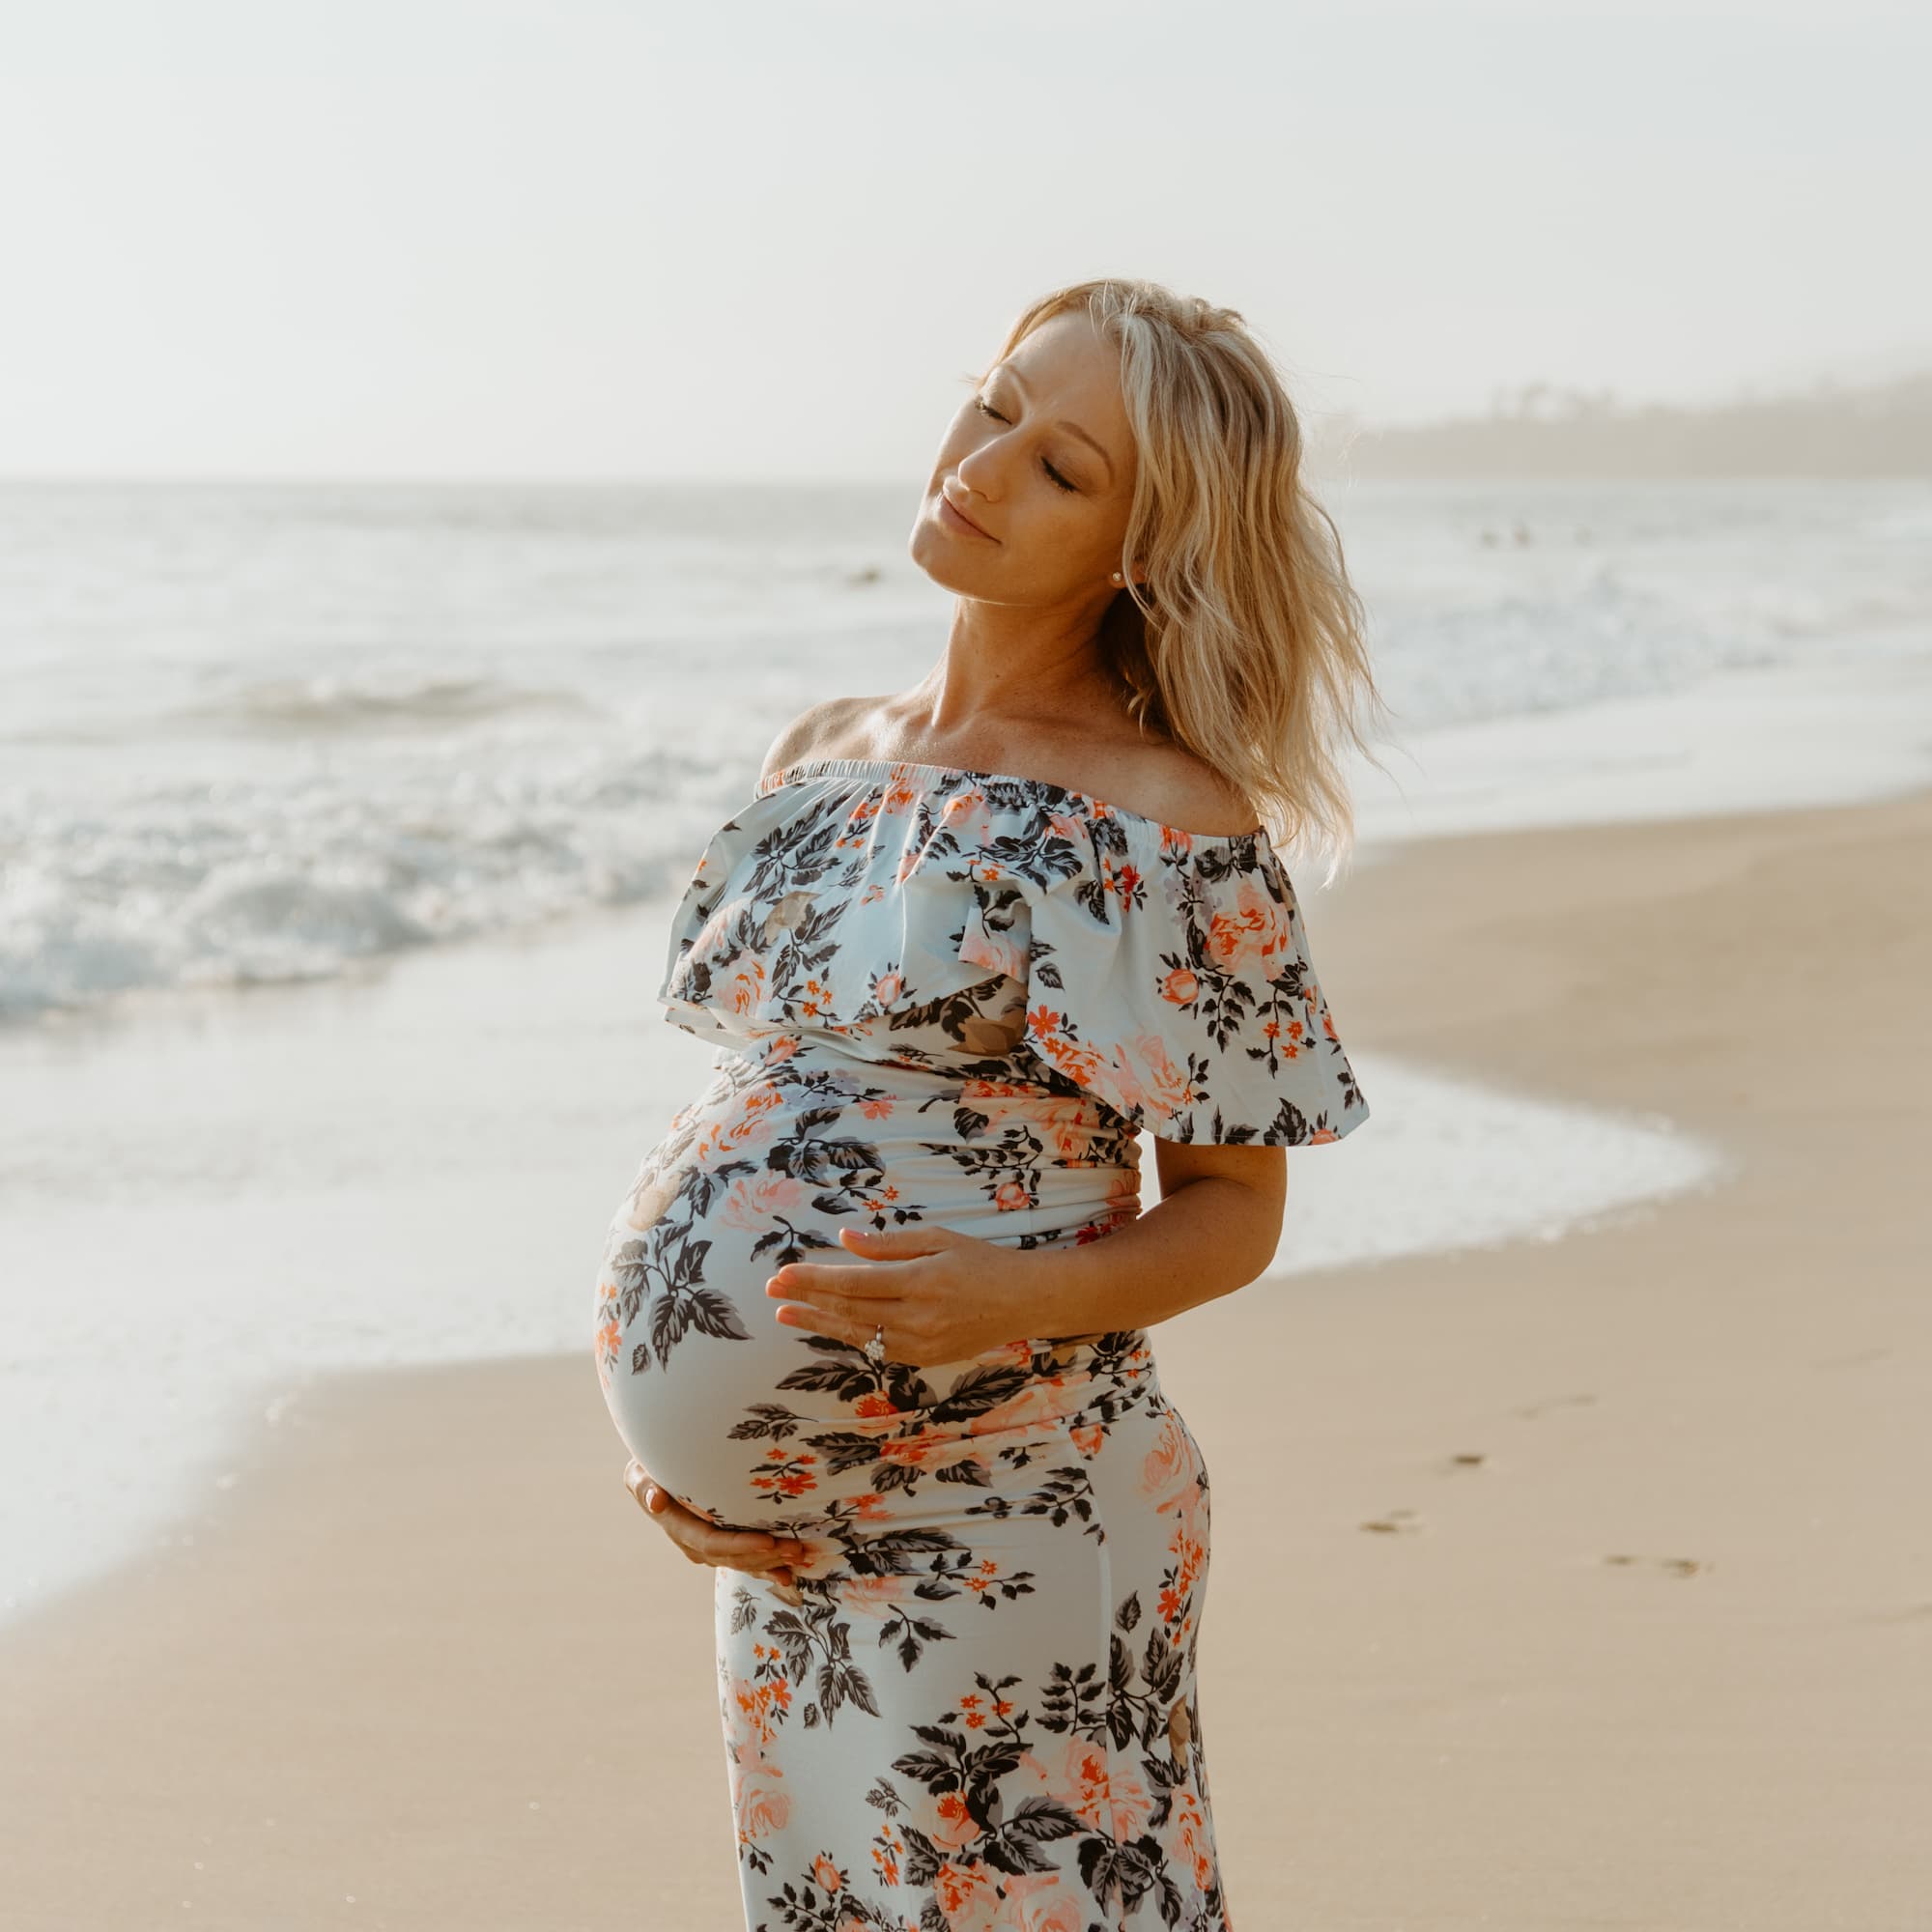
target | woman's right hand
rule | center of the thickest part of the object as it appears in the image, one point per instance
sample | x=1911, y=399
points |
x=704, y=1542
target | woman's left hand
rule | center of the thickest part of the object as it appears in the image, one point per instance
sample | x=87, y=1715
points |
x=941, y=1296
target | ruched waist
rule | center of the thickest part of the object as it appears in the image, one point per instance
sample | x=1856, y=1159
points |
x=1012, y=1162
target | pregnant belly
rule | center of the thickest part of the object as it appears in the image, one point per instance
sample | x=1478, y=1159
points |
x=755, y=1424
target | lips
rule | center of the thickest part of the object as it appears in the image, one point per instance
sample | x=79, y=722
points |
x=949, y=504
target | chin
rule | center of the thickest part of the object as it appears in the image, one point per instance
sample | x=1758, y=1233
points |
x=930, y=549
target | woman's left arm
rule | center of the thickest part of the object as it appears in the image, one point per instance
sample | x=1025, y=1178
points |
x=943, y=1296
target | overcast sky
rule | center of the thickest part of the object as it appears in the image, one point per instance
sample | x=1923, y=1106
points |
x=767, y=238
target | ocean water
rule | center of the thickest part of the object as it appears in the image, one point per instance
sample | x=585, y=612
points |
x=275, y=732
x=337, y=827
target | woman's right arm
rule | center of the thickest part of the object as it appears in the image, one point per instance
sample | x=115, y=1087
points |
x=704, y=1542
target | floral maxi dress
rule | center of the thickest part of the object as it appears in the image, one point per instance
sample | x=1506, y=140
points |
x=955, y=998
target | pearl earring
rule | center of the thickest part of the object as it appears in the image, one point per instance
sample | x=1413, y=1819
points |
x=1117, y=577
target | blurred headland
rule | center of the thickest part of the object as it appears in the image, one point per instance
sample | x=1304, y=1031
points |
x=1829, y=430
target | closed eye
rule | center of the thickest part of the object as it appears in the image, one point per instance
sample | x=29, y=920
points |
x=985, y=407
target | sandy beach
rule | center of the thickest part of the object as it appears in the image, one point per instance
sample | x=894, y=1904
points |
x=1583, y=1583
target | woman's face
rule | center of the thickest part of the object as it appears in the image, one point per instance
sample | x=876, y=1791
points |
x=1041, y=459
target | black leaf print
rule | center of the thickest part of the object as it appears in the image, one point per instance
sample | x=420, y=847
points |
x=840, y=1681
x=929, y=1767
x=1163, y=1666
x=975, y=1475
x=979, y=1390
x=764, y=1420
x=717, y=1315
x=1044, y=1819
x=670, y=1318
x=688, y=1264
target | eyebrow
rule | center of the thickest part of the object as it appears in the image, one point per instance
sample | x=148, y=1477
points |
x=1071, y=428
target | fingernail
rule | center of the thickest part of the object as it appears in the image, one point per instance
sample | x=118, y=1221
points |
x=651, y=1496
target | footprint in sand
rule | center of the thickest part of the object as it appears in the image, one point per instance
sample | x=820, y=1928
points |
x=1675, y=1565
x=1394, y=1524
x=1536, y=1409
x=1852, y=1361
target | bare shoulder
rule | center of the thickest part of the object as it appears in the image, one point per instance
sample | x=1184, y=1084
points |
x=1174, y=787
x=816, y=732
x=1153, y=779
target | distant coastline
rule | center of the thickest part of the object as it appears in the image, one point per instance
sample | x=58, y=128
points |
x=1879, y=430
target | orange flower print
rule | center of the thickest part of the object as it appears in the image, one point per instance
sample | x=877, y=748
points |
x=829, y=1878
x=993, y=951
x=1103, y=1787
x=948, y=1824
x=1191, y=1836
x=1256, y=929
x=1168, y=1466
x=1037, y=1408
x=887, y=1848
x=987, y=1579
x=875, y=1596
x=751, y=1206
x=610, y=1338
x=1041, y=1902
x=1124, y=882
x=793, y=1476
x=1012, y=1196
x=1181, y=987
x=741, y=991
x=966, y=1895
x=963, y=808
x=760, y=1804
x=1140, y=1073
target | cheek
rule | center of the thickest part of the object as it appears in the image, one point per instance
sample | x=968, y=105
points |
x=1060, y=541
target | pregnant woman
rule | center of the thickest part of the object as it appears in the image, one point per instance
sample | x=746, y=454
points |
x=873, y=1315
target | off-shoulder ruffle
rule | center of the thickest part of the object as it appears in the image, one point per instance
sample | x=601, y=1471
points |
x=1167, y=973
x=1170, y=976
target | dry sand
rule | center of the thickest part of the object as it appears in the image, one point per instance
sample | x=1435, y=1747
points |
x=1579, y=1584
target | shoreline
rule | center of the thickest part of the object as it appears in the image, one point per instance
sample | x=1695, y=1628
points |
x=1656, y=1657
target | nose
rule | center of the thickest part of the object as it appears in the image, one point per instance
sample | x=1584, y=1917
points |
x=970, y=491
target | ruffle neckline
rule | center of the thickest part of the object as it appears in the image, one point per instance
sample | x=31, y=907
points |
x=1165, y=973
x=886, y=770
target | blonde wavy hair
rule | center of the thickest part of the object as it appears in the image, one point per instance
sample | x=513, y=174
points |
x=1247, y=643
